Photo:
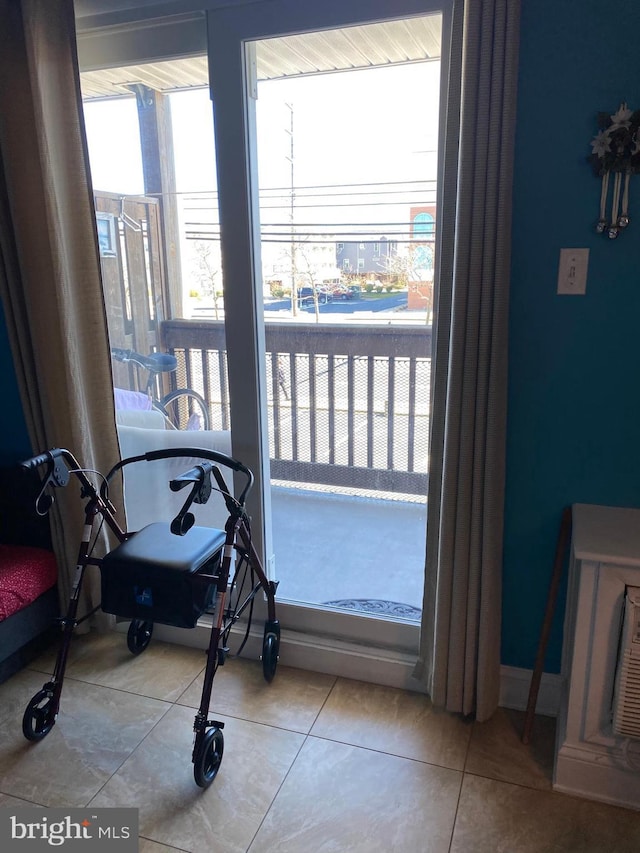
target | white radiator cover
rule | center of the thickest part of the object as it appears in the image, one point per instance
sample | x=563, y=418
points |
x=593, y=758
x=626, y=695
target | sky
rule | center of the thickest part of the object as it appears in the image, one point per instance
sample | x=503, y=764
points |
x=375, y=125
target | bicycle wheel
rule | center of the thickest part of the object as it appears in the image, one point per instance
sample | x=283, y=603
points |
x=184, y=409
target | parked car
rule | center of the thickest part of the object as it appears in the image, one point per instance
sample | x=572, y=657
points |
x=306, y=297
x=341, y=292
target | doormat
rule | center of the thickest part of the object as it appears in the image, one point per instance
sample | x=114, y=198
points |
x=378, y=607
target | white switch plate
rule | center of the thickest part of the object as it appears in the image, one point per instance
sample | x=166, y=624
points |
x=572, y=272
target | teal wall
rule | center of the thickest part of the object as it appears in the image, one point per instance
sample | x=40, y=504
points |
x=574, y=368
x=14, y=441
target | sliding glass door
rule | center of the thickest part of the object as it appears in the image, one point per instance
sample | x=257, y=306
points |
x=285, y=254
x=327, y=135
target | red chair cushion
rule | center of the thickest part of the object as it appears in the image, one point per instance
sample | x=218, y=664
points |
x=25, y=573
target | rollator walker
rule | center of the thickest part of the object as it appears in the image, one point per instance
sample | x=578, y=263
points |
x=169, y=573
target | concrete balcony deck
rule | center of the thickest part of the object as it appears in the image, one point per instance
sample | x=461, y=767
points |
x=331, y=547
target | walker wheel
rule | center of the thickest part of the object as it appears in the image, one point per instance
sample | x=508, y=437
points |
x=39, y=717
x=139, y=636
x=270, y=650
x=207, y=757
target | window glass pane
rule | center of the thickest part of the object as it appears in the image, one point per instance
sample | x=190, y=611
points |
x=152, y=160
x=349, y=327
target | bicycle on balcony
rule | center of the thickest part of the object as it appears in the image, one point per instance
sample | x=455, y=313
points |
x=182, y=408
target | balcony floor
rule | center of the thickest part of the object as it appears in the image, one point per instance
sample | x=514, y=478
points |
x=332, y=547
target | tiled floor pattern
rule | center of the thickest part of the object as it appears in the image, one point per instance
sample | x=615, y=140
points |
x=312, y=763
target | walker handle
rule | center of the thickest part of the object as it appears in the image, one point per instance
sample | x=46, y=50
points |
x=193, y=475
x=200, y=475
x=57, y=461
x=41, y=459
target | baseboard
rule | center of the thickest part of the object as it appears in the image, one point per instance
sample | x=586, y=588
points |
x=314, y=653
x=514, y=690
x=594, y=772
x=378, y=666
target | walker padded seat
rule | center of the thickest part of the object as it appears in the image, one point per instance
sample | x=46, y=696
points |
x=150, y=576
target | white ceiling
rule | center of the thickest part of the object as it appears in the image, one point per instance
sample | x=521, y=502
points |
x=388, y=43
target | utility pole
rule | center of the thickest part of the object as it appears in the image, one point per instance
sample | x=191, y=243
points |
x=292, y=198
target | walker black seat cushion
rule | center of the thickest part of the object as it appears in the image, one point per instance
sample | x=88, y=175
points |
x=151, y=575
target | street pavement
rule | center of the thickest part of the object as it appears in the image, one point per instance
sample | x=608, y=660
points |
x=388, y=302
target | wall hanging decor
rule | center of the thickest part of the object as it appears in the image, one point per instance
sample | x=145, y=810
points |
x=615, y=158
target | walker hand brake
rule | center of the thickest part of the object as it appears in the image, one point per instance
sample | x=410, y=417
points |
x=200, y=476
x=57, y=475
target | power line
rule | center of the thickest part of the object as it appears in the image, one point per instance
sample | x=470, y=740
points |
x=328, y=225
x=283, y=205
x=306, y=236
x=411, y=182
x=191, y=202
x=215, y=238
x=410, y=186
x=349, y=193
x=341, y=202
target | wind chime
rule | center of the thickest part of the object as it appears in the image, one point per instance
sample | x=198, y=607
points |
x=615, y=157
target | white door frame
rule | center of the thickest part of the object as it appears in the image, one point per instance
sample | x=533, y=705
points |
x=232, y=76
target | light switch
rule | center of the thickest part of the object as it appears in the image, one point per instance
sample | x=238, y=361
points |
x=572, y=272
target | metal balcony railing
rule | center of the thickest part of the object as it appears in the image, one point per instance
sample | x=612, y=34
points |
x=347, y=405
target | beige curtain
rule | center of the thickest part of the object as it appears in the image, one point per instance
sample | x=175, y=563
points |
x=460, y=640
x=49, y=262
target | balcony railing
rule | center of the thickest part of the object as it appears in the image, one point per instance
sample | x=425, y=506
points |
x=347, y=405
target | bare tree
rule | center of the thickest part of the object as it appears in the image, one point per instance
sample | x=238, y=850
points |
x=208, y=270
x=408, y=266
x=413, y=269
x=308, y=266
x=309, y=262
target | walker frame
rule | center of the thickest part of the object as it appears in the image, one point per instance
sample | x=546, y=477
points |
x=228, y=547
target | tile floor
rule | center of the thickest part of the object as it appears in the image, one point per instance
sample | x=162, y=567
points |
x=312, y=763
